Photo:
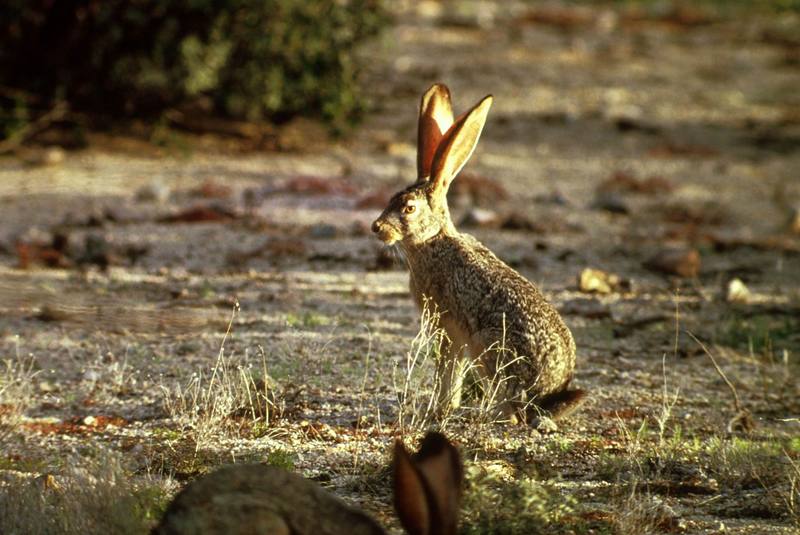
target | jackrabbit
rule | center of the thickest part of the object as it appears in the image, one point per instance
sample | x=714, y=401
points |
x=491, y=314
x=253, y=499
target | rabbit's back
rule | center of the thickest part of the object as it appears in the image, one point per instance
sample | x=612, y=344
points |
x=255, y=499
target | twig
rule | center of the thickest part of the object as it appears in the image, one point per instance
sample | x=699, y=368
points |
x=742, y=419
x=736, y=402
x=56, y=113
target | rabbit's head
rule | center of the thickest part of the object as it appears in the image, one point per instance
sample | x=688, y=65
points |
x=420, y=211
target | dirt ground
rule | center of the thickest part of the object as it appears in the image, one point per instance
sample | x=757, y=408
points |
x=617, y=138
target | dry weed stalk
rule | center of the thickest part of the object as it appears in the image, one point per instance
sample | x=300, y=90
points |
x=419, y=390
x=214, y=405
x=418, y=394
x=742, y=420
x=792, y=497
x=91, y=496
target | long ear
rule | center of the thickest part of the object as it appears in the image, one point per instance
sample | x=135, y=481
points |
x=410, y=494
x=435, y=118
x=457, y=145
x=440, y=465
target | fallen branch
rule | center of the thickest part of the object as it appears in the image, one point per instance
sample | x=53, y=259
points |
x=56, y=113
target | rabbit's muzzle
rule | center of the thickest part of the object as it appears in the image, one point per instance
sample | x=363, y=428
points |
x=386, y=233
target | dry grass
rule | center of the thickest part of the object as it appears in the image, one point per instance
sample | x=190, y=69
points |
x=16, y=391
x=419, y=383
x=229, y=400
x=498, y=501
x=91, y=496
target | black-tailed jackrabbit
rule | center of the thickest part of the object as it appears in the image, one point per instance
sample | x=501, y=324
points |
x=254, y=499
x=490, y=312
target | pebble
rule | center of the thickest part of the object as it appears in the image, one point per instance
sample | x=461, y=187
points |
x=322, y=231
x=737, y=292
x=597, y=281
x=479, y=217
x=91, y=375
x=47, y=387
x=154, y=192
x=611, y=202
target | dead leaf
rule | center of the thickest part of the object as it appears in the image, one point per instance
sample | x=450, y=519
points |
x=201, y=214
x=621, y=181
x=562, y=17
x=597, y=281
x=211, y=189
x=680, y=262
x=708, y=213
x=39, y=252
x=678, y=150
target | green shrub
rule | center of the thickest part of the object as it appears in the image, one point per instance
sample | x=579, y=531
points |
x=253, y=59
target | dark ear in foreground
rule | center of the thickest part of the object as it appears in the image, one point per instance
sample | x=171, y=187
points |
x=427, y=486
x=435, y=118
x=456, y=147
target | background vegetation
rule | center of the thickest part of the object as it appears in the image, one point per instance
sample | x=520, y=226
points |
x=250, y=59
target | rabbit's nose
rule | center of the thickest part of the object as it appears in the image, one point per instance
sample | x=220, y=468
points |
x=376, y=226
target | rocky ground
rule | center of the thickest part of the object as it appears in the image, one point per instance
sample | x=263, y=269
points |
x=659, y=147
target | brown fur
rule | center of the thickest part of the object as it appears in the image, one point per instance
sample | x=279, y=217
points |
x=253, y=499
x=489, y=311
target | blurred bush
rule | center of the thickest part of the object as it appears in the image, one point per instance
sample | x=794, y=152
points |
x=268, y=59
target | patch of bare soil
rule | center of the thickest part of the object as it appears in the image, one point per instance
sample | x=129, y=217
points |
x=186, y=310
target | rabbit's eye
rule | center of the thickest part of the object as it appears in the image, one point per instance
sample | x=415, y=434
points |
x=409, y=208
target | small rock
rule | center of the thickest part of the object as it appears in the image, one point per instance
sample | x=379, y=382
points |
x=322, y=231
x=46, y=387
x=680, y=262
x=252, y=198
x=91, y=375
x=479, y=217
x=544, y=425
x=737, y=292
x=154, y=192
x=97, y=251
x=518, y=221
x=90, y=421
x=611, y=202
x=598, y=281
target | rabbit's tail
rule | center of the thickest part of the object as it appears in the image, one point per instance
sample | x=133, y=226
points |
x=563, y=403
